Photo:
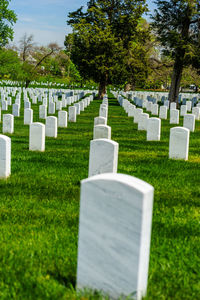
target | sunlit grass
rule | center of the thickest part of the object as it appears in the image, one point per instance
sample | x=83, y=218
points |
x=39, y=209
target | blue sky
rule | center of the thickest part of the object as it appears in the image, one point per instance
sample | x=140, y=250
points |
x=45, y=19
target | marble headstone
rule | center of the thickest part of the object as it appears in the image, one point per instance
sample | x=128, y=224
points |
x=103, y=157
x=8, y=123
x=179, y=143
x=114, y=235
x=153, y=129
x=5, y=156
x=62, y=119
x=37, y=137
x=189, y=122
x=102, y=132
x=28, y=116
x=72, y=114
x=51, y=127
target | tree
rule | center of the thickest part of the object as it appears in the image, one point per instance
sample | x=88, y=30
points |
x=26, y=46
x=10, y=65
x=33, y=57
x=177, y=25
x=101, y=38
x=7, y=19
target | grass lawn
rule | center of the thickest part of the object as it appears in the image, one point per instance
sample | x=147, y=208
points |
x=39, y=209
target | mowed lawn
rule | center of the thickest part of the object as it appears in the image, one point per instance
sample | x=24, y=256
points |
x=39, y=209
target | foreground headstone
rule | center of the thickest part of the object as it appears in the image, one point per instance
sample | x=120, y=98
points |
x=37, y=137
x=5, y=156
x=62, y=119
x=8, y=123
x=102, y=132
x=28, y=116
x=103, y=157
x=153, y=129
x=51, y=127
x=114, y=235
x=179, y=143
x=189, y=122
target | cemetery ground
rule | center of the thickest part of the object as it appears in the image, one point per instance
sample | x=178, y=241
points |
x=39, y=208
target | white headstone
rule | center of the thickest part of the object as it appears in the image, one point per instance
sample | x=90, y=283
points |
x=137, y=113
x=62, y=119
x=189, y=122
x=77, y=105
x=103, y=112
x=51, y=127
x=100, y=121
x=37, y=137
x=174, y=116
x=8, y=123
x=51, y=108
x=163, y=112
x=179, y=143
x=58, y=105
x=142, y=124
x=114, y=235
x=28, y=116
x=16, y=110
x=189, y=105
x=166, y=103
x=153, y=129
x=5, y=156
x=154, y=109
x=103, y=157
x=27, y=104
x=173, y=105
x=183, y=110
x=149, y=106
x=72, y=114
x=4, y=105
x=196, y=112
x=42, y=111
x=102, y=132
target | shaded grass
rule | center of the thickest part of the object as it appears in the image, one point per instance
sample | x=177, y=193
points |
x=39, y=209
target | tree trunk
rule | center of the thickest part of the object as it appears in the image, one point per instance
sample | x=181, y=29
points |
x=27, y=83
x=102, y=89
x=176, y=79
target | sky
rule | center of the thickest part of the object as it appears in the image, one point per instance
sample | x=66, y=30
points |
x=46, y=19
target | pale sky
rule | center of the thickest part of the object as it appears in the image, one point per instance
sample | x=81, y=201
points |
x=46, y=19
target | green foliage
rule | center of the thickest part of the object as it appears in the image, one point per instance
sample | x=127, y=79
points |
x=102, y=37
x=9, y=64
x=7, y=17
x=177, y=26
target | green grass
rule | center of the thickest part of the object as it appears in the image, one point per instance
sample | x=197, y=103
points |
x=39, y=209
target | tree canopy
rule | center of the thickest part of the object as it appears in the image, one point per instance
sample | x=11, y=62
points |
x=7, y=19
x=177, y=26
x=102, y=37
